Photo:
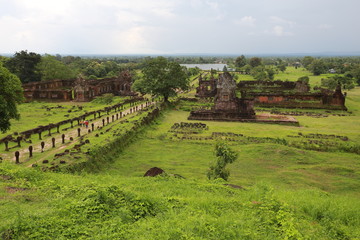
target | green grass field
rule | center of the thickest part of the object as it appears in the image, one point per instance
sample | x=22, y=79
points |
x=288, y=190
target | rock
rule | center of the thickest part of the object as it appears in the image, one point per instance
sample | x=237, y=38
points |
x=152, y=172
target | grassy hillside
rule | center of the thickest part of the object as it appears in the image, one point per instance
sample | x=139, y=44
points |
x=62, y=206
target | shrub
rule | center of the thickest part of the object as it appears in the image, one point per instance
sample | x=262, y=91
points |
x=224, y=156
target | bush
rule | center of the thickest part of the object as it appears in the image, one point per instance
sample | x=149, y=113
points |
x=224, y=156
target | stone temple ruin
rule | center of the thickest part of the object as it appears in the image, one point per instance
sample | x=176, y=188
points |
x=280, y=94
x=78, y=89
x=229, y=107
x=226, y=105
x=292, y=95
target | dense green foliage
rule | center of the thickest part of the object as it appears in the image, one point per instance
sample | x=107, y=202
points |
x=24, y=65
x=162, y=78
x=10, y=95
x=51, y=68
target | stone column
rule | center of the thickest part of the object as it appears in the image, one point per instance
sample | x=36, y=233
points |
x=17, y=156
x=42, y=146
x=30, y=151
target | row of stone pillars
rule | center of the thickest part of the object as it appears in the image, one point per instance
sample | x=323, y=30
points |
x=42, y=144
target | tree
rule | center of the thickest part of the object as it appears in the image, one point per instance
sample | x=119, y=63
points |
x=24, y=65
x=355, y=72
x=281, y=67
x=255, y=61
x=307, y=60
x=304, y=79
x=317, y=67
x=240, y=61
x=11, y=93
x=262, y=73
x=95, y=69
x=162, y=78
x=51, y=68
x=346, y=82
x=224, y=156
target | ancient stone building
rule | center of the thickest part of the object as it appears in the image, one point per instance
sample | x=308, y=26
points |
x=226, y=105
x=292, y=95
x=79, y=89
x=206, y=88
x=49, y=90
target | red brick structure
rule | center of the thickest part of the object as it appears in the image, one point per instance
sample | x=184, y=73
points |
x=79, y=89
x=49, y=90
x=292, y=95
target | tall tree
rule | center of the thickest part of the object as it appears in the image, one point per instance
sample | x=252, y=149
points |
x=317, y=67
x=240, y=61
x=307, y=60
x=51, y=68
x=162, y=78
x=255, y=61
x=11, y=93
x=23, y=64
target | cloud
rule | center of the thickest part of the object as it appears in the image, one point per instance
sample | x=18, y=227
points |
x=281, y=21
x=246, y=21
x=279, y=32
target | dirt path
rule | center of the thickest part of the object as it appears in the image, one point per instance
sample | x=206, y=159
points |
x=49, y=151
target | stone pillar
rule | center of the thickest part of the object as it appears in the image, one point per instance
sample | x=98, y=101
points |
x=6, y=145
x=42, y=146
x=92, y=127
x=17, y=156
x=18, y=140
x=103, y=122
x=63, y=138
x=53, y=142
x=117, y=116
x=112, y=118
x=49, y=131
x=107, y=119
x=78, y=130
x=30, y=151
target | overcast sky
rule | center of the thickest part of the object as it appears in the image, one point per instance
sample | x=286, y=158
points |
x=179, y=26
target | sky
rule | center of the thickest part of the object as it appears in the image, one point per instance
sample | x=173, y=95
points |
x=179, y=26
